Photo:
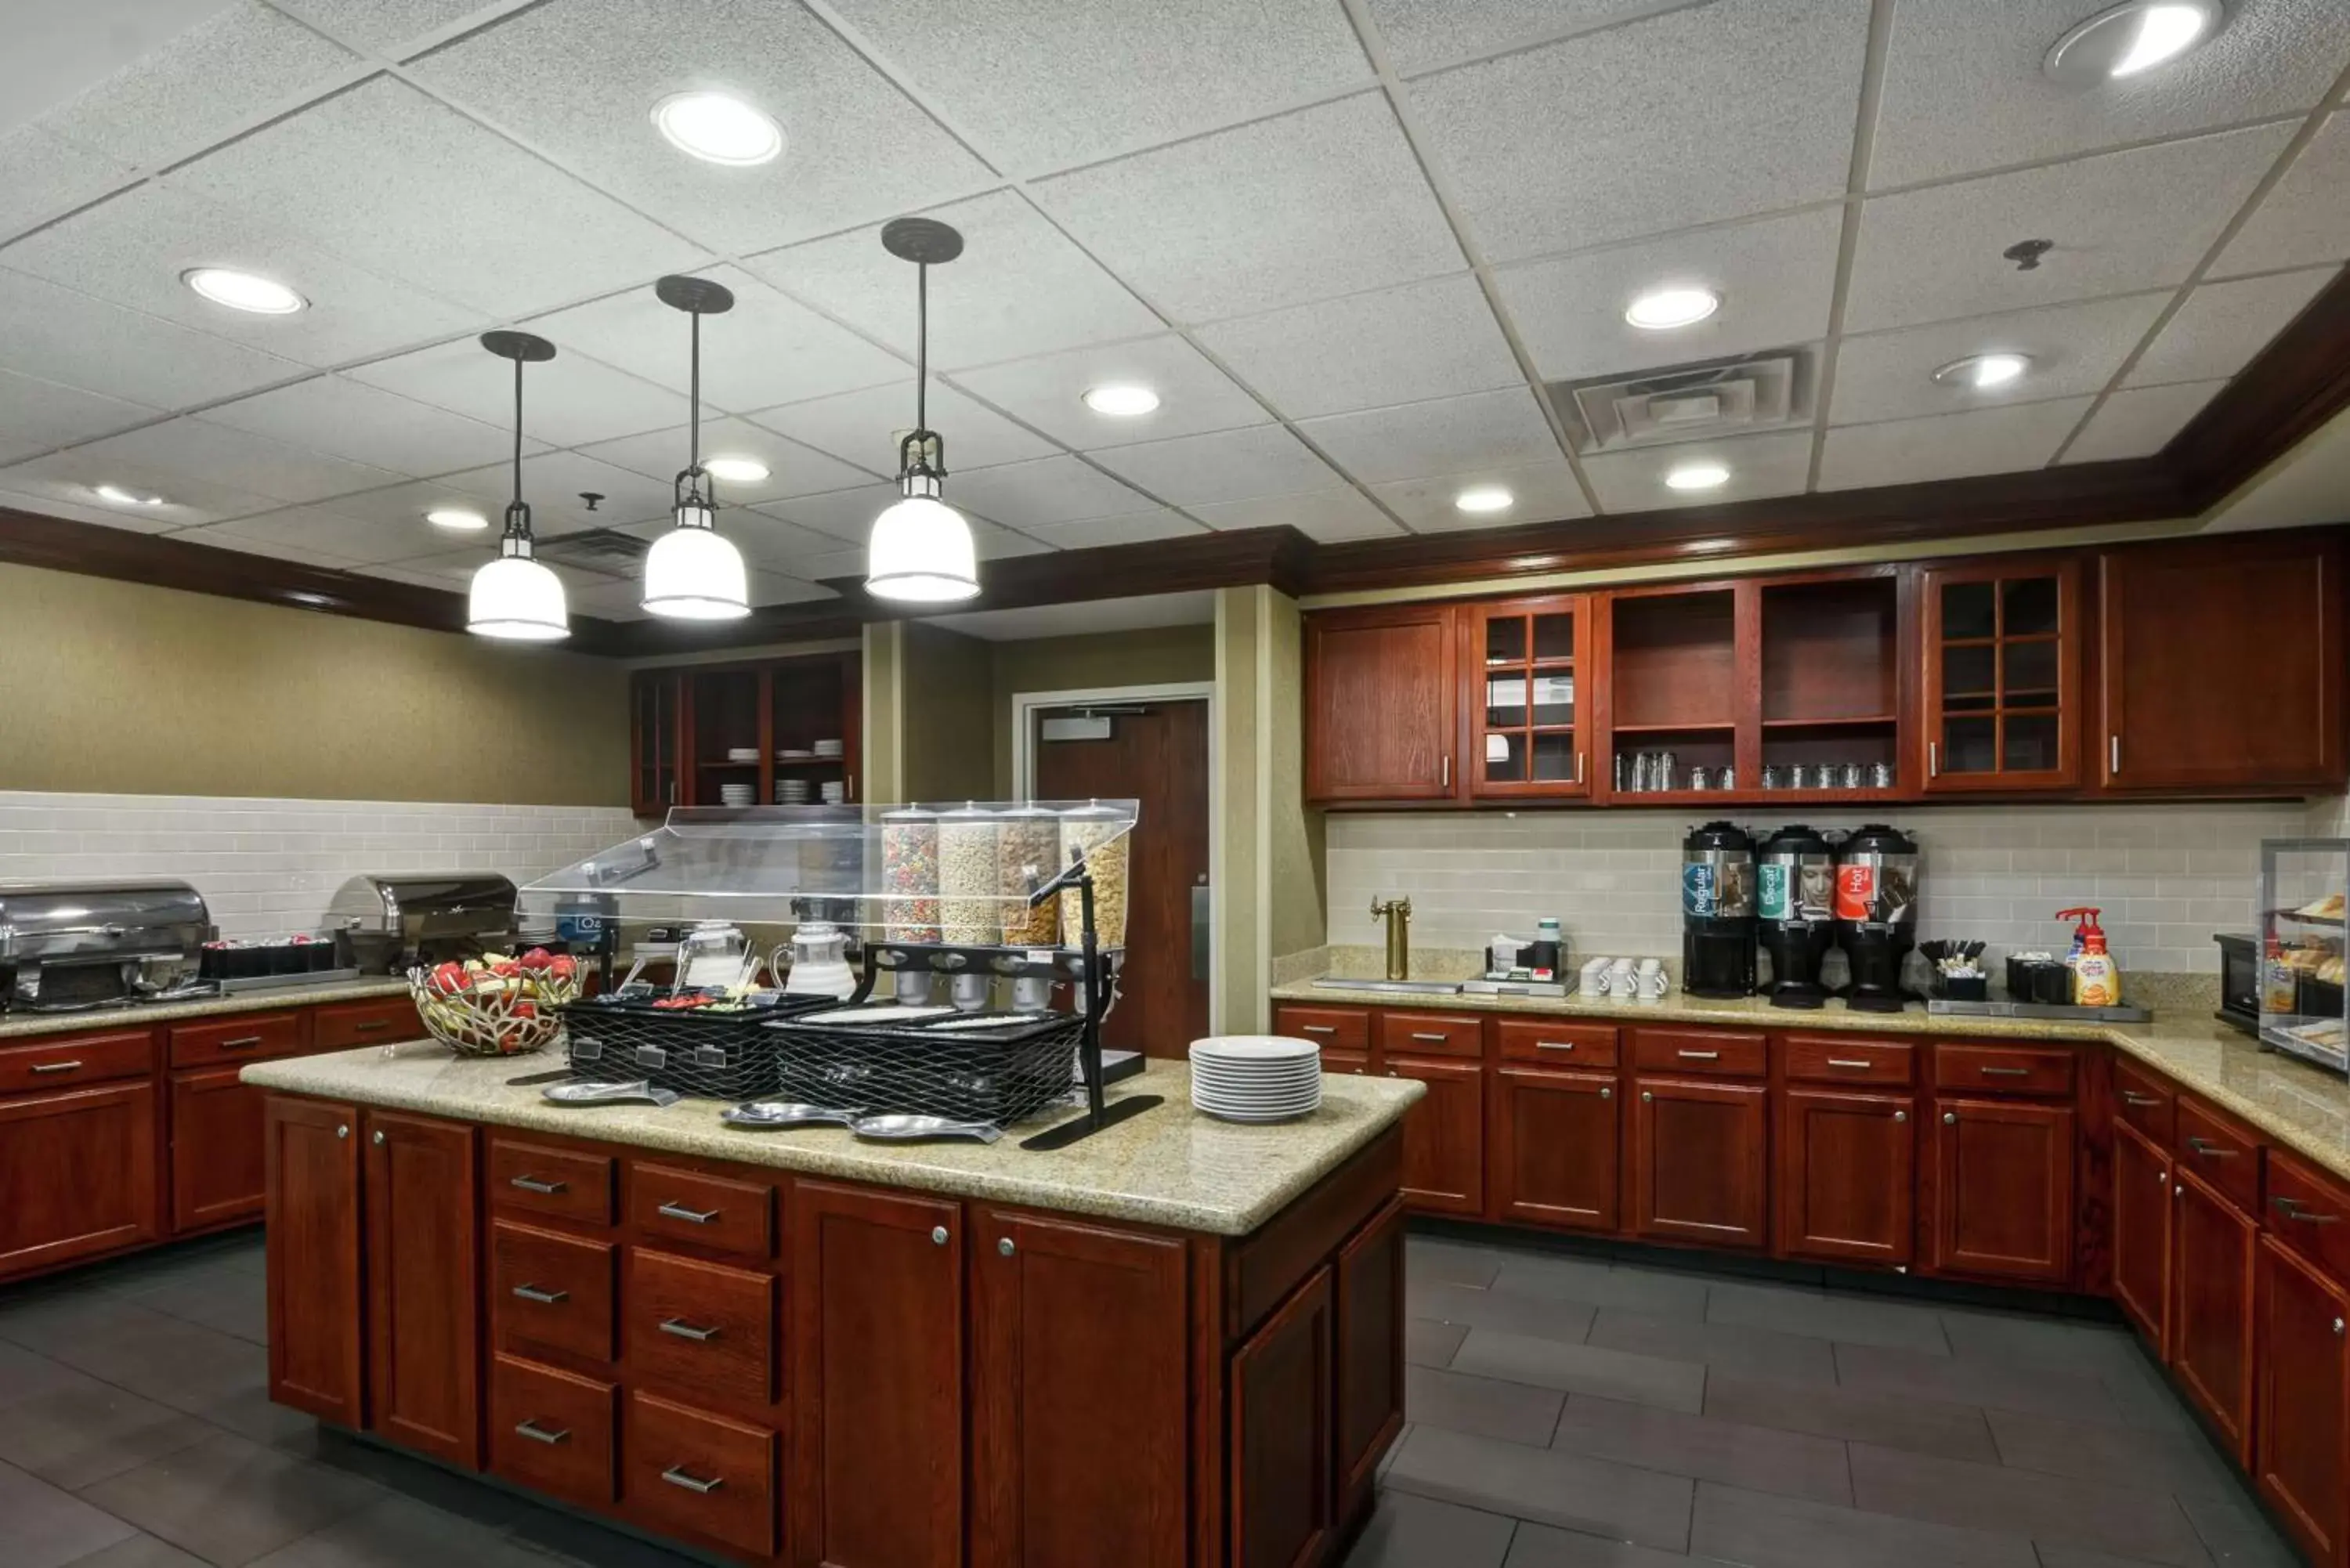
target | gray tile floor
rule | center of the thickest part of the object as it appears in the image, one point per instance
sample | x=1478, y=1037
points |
x=1564, y=1413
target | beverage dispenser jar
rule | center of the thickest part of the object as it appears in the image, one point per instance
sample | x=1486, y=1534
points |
x=1876, y=914
x=1718, y=911
x=1795, y=907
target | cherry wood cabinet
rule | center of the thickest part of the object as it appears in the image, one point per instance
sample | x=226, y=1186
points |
x=1283, y=1498
x=2004, y=1190
x=1381, y=697
x=218, y=1175
x=656, y=740
x=77, y=1171
x=423, y=1274
x=2001, y=701
x=1556, y=1148
x=316, y=1359
x=2141, y=1241
x=2213, y=1247
x=683, y=723
x=1444, y=1134
x=1847, y=1177
x=1366, y=1355
x=2303, y=1400
x=1700, y=1167
x=1527, y=665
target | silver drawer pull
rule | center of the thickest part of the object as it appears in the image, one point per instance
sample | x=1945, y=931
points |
x=241, y=1042
x=544, y=1298
x=676, y=1474
x=2292, y=1210
x=55, y=1068
x=539, y=1185
x=2132, y=1097
x=1433, y=1039
x=1699, y=1055
x=539, y=1433
x=684, y=1330
x=370, y=1025
x=2209, y=1150
x=691, y=1216
x=1853, y=1062
x=1318, y=1029
x=2005, y=1072
x=1554, y=1044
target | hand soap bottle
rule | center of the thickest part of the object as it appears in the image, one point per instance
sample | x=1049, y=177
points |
x=2097, y=979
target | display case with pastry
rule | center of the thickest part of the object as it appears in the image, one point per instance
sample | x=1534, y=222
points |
x=2304, y=896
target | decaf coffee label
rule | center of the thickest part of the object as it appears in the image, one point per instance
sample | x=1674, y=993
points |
x=1775, y=877
x=1795, y=890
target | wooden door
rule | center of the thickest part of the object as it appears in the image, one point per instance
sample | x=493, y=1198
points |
x=2001, y=700
x=1557, y=1147
x=2303, y=1400
x=311, y=1162
x=2221, y=663
x=1159, y=760
x=2142, y=1235
x=1847, y=1177
x=1528, y=672
x=1381, y=701
x=2004, y=1190
x=1700, y=1162
x=424, y=1273
x=656, y=740
x=1280, y=1497
x=2212, y=1251
x=1063, y=1313
x=877, y=1379
x=1444, y=1136
x=218, y=1174
x=77, y=1172
x=1367, y=1353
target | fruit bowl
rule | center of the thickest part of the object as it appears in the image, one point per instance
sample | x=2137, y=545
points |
x=496, y=1005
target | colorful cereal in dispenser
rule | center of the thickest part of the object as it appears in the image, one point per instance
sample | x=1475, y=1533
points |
x=909, y=874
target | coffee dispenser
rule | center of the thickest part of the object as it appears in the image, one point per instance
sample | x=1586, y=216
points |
x=1718, y=911
x=1794, y=875
x=1876, y=914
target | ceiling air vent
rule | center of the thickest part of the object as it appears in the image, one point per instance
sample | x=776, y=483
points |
x=605, y=551
x=1763, y=391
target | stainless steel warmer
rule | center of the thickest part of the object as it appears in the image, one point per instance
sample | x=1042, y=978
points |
x=384, y=923
x=69, y=945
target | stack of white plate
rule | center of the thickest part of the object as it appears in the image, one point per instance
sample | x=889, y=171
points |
x=738, y=793
x=790, y=792
x=795, y=754
x=830, y=748
x=1255, y=1077
x=742, y=753
x=836, y=792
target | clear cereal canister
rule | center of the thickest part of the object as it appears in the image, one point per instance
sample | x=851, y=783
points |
x=1027, y=853
x=970, y=911
x=909, y=874
x=1102, y=832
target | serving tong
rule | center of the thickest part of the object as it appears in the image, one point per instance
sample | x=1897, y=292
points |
x=638, y=1092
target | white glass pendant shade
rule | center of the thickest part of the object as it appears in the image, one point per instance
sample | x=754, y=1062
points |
x=920, y=550
x=695, y=572
x=519, y=598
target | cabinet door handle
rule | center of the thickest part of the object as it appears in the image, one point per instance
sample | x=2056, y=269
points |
x=1901, y=1116
x=1554, y=1044
x=1578, y=766
x=2209, y=1150
x=1447, y=775
x=1433, y=1039
x=1699, y=1055
x=2005, y=1072
x=2337, y=1328
x=676, y=1475
x=377, y=1137
x=2176, y=1193
x=2114, y=752
x=242, y=1043
x=370, y=1025
x=1853, y=1062
x=544, y=1298
x=539, y=1184
x=691, y=1216
x=2132, y=1097
x=343, y=1129
x=1647, y=1097
x=1606, y=1094
x=1949, y=1118
x=539, y=1433
x=684, y=1330
x=1933, y=758
x=938, y=1235
x=55, y=1068
x=1005, y=1247
x=2292, y=1210
x=1318, y=1029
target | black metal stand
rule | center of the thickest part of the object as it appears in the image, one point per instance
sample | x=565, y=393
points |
x=1099, y=1115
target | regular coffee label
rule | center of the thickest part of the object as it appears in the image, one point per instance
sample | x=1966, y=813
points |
x=1718, y=886
x=1700, y=890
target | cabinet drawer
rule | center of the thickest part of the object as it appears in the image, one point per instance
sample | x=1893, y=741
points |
x=696, y=1474
x=715, y=1213
x=1557, y=1044
x=1841, y=1059
x=377, y=1022
x=1332, y=1028
x=1720, y=1051
x=2223, y=1154
x=550, y=1290
x=2004, y=1069
x=701, y=1329
x=552, y=1430
x=2310, y=1213
x=553, y=1183
x=1432, y=1035
x=72, y=1059
x=246, y=1039
x=2145, y=1102
x=1353, y=1062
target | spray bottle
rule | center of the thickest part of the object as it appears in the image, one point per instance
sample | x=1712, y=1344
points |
x=2097, y=979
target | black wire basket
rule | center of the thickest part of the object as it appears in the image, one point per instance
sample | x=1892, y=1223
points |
x=711, y=1055
x=965, y=1067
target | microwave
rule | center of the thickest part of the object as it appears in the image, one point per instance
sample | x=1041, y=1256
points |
x=2240, y=981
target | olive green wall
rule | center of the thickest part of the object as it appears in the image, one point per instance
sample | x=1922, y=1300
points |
x=951, y=754
x=121, y=688
x=1154, y=656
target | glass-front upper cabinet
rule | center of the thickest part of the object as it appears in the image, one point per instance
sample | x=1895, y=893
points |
x=2003, y=679
x=1528, y=735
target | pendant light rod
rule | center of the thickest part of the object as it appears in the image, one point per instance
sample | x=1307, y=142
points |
x=921, y=549
x=923, y=346
x=692, y=572
x=515, y=595
x=693, y=438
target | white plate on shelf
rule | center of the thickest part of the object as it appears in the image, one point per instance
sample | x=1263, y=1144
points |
x=1253, y=1048
x=1256, y=1118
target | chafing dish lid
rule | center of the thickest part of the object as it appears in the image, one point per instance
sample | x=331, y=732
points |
x=379, y=901
x=42, y=915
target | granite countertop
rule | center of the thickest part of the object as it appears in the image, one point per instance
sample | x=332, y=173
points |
x=20, y=1025
x=1169, y=1166
x=2298, y=1104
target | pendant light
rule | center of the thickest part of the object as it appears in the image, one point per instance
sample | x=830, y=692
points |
x=921, y=549
x=693, y=572
x=516, y=596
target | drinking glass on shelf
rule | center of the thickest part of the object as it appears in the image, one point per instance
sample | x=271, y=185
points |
x=1848, y=777
x=1699, y=779
x=1773, y=776
x=1799, y=776
x=1880, y=775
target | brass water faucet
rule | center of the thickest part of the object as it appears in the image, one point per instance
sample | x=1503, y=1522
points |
x=1398, y=915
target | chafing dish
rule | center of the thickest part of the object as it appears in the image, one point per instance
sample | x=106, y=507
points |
x=68, y=945
x=384, y=923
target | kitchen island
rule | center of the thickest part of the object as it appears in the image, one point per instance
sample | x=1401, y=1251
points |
x=1179, y=1342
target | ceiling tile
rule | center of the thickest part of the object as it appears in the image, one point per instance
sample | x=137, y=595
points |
x=380, y=26
x=839, y=563
x=2223, y=325
x=73, y=476
x=778, y=589
x=1323, y=201
x=1424, y=33
x=2139, y=422
x=1540, y=493
x=42, y=175
x=132, y=250
x=1778, y=463
x=2303, y=218
x=766, y=541
x=765, y=350
x=413, y=189
x=1444, y=436
x=1228, y=465
x=553, y=483
x=184, y=449
x=35, y=415
x=243, y=61
x=1708, y=112
x=350, y=419
x=1194, y=397
x=1327, y=515
x=2005, y=440
x=1049, y=490
x=2122, y=221
x=2073, y=348
x=317, y=532
x=864, y=428
x=1126, y=528
x=791, y=468
x=995, y=543
x=55, y=502
x=1431, y=339
x=1020, y=287
x=403, y=506
x=846, y=514
x=1042, y=83
x=1964, y=88
x=580, y=78
x=1775, y=277
x=567, y=400
x=61, y=335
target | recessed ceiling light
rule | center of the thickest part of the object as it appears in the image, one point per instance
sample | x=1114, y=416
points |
x=1484, y=498
x=242, y=290
x=121, y=497
x=457, y=519
x=1696, y=476
x=1983, y=372
x=1121, y=400
x=717, y=128
x=1662, y=309
x=737, y=470
x=2129, y=39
